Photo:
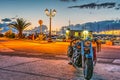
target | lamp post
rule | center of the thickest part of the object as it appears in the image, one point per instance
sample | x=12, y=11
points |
x=50, y=14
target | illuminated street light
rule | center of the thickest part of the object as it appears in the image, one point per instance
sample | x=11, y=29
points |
x=50, y=14
x=67, y=31
x=85, y=33
x=67, y=34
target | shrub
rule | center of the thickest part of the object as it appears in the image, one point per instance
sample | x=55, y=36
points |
x=9, y=34
x=1, y=35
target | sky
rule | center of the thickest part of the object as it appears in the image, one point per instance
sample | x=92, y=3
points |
x=33, y=10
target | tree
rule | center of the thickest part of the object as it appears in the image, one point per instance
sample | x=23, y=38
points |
x=20, y=24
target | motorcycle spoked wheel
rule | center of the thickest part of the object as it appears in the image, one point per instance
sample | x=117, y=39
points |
x=78, y=62
x=88, y=69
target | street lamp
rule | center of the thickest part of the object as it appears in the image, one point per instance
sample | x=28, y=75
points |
x=85, y=34
x=50, y=14
x=67, y=34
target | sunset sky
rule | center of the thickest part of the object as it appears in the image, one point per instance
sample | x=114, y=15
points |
x=33, y=10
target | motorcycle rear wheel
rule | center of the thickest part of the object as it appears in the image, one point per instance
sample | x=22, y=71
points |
x=88, y=69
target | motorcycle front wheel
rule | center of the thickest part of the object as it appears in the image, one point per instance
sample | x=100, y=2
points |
x=88, y=69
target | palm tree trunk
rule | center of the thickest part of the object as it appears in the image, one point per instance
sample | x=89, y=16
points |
x=20, y=34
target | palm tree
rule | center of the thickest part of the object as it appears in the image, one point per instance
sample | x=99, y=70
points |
x=20, y=24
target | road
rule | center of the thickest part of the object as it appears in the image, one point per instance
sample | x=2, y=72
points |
x=35, y=47
x=26, y=60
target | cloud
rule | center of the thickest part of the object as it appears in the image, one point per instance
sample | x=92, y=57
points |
x=118, y=7
x=95, y=5
x=68, y=0
x=6, y=20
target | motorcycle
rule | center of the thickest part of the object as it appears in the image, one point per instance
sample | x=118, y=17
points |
x=82, y=55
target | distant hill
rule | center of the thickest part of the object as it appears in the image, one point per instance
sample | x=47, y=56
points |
x=97, y=26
